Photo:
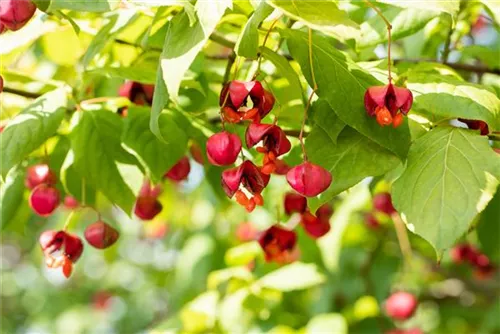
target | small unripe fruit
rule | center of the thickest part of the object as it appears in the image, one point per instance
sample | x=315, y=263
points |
x=39, y=174
x=44, y=199
x=401, y=305
x=14, y=14
x=101, y=235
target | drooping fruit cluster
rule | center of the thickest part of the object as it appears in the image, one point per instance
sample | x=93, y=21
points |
x=14, y=14
x=467, y=253
x=388, y=104
x=474, y=124
x=44, y=197
x=401, y=305
x=249, y=101
x=140, y=94
x=382, y=204
x=279, y=243
x=63, y=249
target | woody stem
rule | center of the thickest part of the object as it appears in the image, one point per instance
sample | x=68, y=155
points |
x=389, y=28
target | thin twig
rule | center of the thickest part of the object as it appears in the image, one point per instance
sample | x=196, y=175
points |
x=229, y=66
x=447, y=44
x=21, y=93
x=259, y=62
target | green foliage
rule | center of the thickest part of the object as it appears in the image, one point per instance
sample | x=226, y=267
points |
x=194, y=268
x=450, y=176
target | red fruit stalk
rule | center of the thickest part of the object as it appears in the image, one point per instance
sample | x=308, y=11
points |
x=179, y=171
x=223, y=148
x=101, y=235
x=246, y=183
x=14, y=14
x=309, y=179
x=44, y=199
x=278, y=244
x=401, y=305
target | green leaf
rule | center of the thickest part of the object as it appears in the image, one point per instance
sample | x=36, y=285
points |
x=449, y=6
x=323, y=16
x=232, y=315
x=114, y=25
x=248, y=42
x=83, y=6
x=11, y=196
x=404, y=22
x=445, y=96
x=141, y=74
x=242, y=254
x=287, y=89
x=200, y=314
x=488, y=229
x=31, y=128
x=73, y=182
x=326, y=121
x=343, y=84
x=182, y=43
x=451, y=175
x=353, y=158
x=156, y=156
x=327, y=323
x=295, y=276
x=96, y=145
x=489, y=56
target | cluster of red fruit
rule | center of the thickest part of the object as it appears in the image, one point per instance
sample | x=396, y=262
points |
x=14, y=14
x=249, y=101
x=147, y=205
x=381, y=203
x=61, y=248
x=401, y=306
x=279, y=243
x=466, y=253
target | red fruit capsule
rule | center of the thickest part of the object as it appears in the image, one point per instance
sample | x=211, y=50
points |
x=295, y=203
x=196, y=153
x=70, y=202
x=38, y=174
x=61, y=249
x=223, y=148
x=382, y=202
x=476, y=125
x=464, y=253
x=324, y=212
x=44, y=199
x=309, y=179
x=385, y=102
x=73, y=247
x=401, y=305
x=273, y=139
x=180, y=170
x=14, y=14
x=140, y=94
x=278, y=244
x=101, y=235
x=314, y=226
x=246, y=175
x=147, y=207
